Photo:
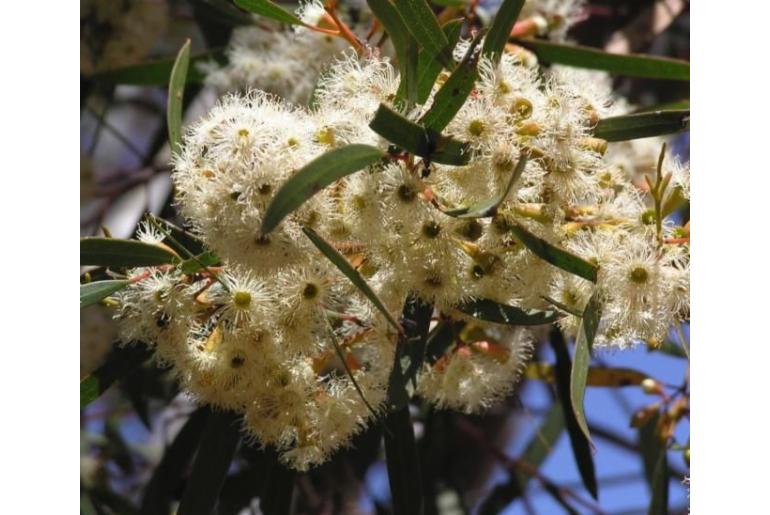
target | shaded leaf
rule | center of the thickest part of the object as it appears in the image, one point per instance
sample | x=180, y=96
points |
x=315, y=176
x=642, y=125
x=212, y=461
x=403, y=463
x=491, y=311
x=351, y=273
x=428, y=68
x=557, y=257
x=91, y=293
x=122, y=253
x=417, y=140
x=597, y=376
x=175, y=93
x=269, y=10
x=441, y=339
x=500, y=30
x=279, y=490
x=410, y=352
x=488, y=207
x=655, y=462
x=631, y=65
x=423, y=25
x=119, y=362
x=181, y=241
x=589, y=325
x=192, y=265
x=158, y=72
x=404, y=44
x=668, y=106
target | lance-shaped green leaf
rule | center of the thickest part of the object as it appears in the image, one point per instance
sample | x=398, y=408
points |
x=554, y=255
x=429, y=68
x=632, y=65
x=269, y=10
x=451, y=96
x=655, y=462
x=614, y=377
x=158, y=72
x=642, y=125
x=122, y=253
x=417, y=140
x=537, y=450
x=488, y=208
x=500, y=30
x=403, y=42
x=351, y=273
x=423, y=25
x=580, y=441
x=491, y=311
x=183, y=242
x=315, y=176
x=403, y=464
x=215, y=453
x=175, y=93
x=119, y=362
x=192, y=265
x=91, y=293
x=677, y=105
x=410, y=352
x=589, y=326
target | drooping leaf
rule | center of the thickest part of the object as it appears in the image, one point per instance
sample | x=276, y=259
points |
x=315, y=176
x=168, y=474
x=215, y=453
x=351, y=273
x=491, y=311
x=404, y=44
x=488, y=208
x=557, y=257
x=424, y=27
x=91, y=293
x=403, y=463
x=158, y=72
x=642, y=125
x=122, y=253
x=175, y=93
x=192, y=265
x=428, y=68
x=269, y=10
x=119, y=362
x=450, y=98
x=417, y=140
x=615, y=377
x=410, y=352
x=631, y=65
x=655, y=462
x=580, y=441
x=500, y=30
x=589, y=326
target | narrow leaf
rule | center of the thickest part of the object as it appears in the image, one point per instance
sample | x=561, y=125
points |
x=491, y=311
x=428, y=69
x=182, y=242
x=119, y=362
x=655, y=462
x=192, y=265
x=175, y=93
x=423, y=25
x=557, y=257
x=91, y=293
x=589, y=326
x=580, y=441
x=642, y=125
x=157, y=73
x=403, y=464
x=277, y=498
x=500, y=30
x=212, y=461
x=269, y=10
x=410, y=353
x=315, y=176
x=631, y=65
x=351, y=273
x=615, y=377
x=668, y=106
x=122, y=253
x=403, y=42
x=488, y=208
x=417, y=140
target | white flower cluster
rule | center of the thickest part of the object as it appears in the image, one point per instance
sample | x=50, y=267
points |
x=258, y=334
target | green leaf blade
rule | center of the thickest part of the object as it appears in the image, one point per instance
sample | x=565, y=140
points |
x=410, y=353
x=315, y=176
x=491, y=311
x=269, y=10
x=92, y=293
x=403, y=464
x=428, y=68
x=175, y=94
x=643, y=125
x=589, y=326
x=118, y=253
x=404, y=44
x=158, y=72
x=557, y=257
x=500, y=30
x=119, y=362
x=424, y=27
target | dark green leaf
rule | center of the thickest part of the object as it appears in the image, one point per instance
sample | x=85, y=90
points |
x=642, y=125
x=423, y=25
x=632, y=65
x=351, y=273
x=119, y=362
x=122, y=253
x=403, y=42
x=441, y=339
x=269, y=10
x=175, y=93
x=91, y=293
x=410, y=352
x=183, y=242
x=488, y=208
x=157, y=73
x=557, y=257
x=192, y=265
x=655, y=465
x=491, y=311
x=212, y=461
x=451, y=96
x=668, y=106
x=279, y=490
x=403, y=464
x=167, y=476
x=589, y=325
x=500, y=30
x=429, y=68
x=581, y=444
x=315, y=176
x=417, y=140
